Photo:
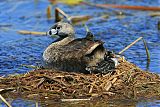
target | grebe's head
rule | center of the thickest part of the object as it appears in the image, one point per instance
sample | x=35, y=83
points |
x=62, y=30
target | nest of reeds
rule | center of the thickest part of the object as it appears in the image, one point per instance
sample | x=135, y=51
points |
x=128, y=81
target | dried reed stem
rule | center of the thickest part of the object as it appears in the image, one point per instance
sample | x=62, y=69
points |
x=70, y=100
x=143, y=8
x=86, y=27
x=147, y=51
x=57, y=17
x=130, y=45
x=25, y=32
x=29, y=66
x=71, y=19
x=48, y=11
x=5, y=101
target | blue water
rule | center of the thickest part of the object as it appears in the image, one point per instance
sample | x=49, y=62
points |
x=20, y=103
x=116, y=31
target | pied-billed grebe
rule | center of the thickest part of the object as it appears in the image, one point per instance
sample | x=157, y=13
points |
x=84, y=55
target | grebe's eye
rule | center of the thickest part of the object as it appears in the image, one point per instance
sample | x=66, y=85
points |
x=50, y=32
x=58, y=27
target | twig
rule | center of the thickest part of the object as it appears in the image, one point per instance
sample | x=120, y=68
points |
x=92, y=85
x=76, y=19
x=109, y=82
x=134, y=92
x=29, y=66
x=2, y=91
x=109, y=93
x=71, y=19
x=4, y=100
x=25, y=32
x=158, y=25
x=86, y=27
x=148, y=55
x=52, y=79
x=154, y=14
x=114, y=76
x=48, y=11
x=130, y=45
x=143, y=8
x=108, y=86
x=37, y=104
x=58, y=10
x=57, y=16
x=114, y=80
x=40, y=82
x=98, y=5
x=146, y=83
x=147, y=51
x=91, y=88
x=70, y=100
x=26, y=88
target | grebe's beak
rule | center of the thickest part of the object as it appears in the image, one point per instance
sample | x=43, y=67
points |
x=52, y=32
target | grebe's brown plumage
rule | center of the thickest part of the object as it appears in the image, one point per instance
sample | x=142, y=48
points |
x=78, y=55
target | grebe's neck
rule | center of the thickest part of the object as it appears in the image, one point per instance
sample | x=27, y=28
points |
x=63, y=41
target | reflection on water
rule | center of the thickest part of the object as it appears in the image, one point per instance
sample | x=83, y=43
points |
x=151, y=103
x=117, y=32
x=20, y=103
x=117, y=103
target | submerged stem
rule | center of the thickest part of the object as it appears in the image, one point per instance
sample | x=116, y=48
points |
x=147, y=52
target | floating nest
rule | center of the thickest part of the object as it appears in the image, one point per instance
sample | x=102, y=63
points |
x=127, y=82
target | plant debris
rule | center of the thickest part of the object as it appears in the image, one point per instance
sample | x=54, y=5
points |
x=25, y=32
x=128, y=81
x=72, y=19
x=48, y=11
x=4, y=100
x=130, y=45
x=68, y=2
x=142, y=8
